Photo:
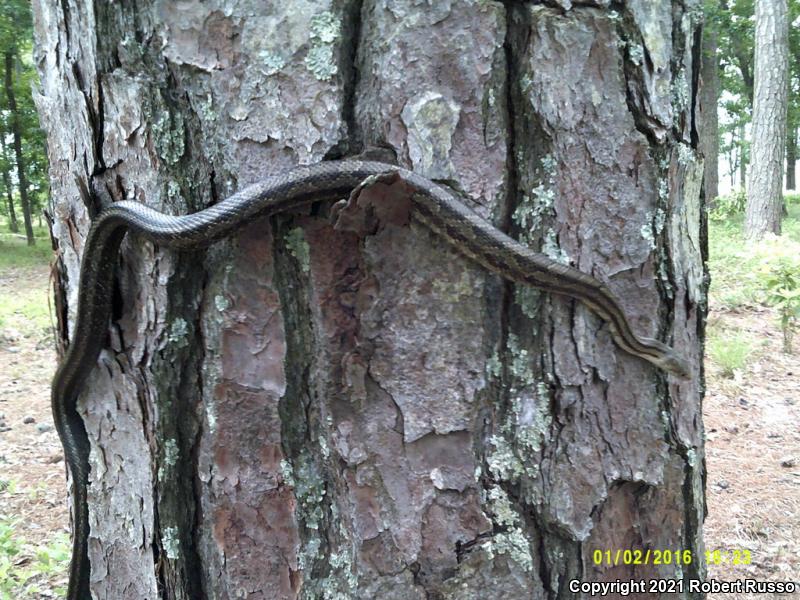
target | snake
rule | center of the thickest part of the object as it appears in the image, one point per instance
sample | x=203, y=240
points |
x=434, y=206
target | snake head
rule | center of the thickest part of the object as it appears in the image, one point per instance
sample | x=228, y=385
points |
x=669, y=361
x=677, y=366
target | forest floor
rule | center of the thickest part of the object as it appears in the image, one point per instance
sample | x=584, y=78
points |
x=751, y=414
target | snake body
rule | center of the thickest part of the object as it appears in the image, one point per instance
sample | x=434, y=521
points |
x=434, y=206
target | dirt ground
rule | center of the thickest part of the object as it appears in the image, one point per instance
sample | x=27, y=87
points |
x=32, y=471
x=752, y=425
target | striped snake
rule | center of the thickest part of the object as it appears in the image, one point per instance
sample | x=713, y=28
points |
x=433, y=206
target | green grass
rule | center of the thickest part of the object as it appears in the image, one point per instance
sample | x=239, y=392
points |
x=23, y=307
x=15, y=252
x=729, y=351
x=26, y=579
x=26, y=310
x=739, y=278
x=737, y=268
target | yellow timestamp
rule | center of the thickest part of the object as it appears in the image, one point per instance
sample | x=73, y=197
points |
x=728, y=557
x=613, y=558
x=637, y=556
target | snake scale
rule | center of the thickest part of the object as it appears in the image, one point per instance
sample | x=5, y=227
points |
x=432, y=205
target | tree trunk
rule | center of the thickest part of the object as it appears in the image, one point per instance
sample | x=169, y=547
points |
x=743, y=157
x=300, y=413
x=13, y=226
x=16, y=130
x=791, y=159
x=709, y=123
x=765, y=189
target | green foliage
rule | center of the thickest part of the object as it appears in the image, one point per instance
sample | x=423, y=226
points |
x=782, y=281
x=16, y=39
x=766, y=272
x=24, y=569
x=728, y=206
x=24, y=308
x=730, y=351
x=737, y=268
x=734, y=280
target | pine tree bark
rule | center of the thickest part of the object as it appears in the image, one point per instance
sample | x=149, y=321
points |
x=300, y=413
x=765, y=187
x=743, y=157
x=22, y=179
x=709, y=122
x=13, y=226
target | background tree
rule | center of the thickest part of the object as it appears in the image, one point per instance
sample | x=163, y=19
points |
x=300, y=413
x=764, y=194
x=793, y=117
x=10, y=58
x=734, y=22
x=24, y=159
x=6, y=164
x=709, y=99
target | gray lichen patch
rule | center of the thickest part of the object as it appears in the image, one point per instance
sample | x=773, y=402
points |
x=681, y=91
x=310, y=491
x=325, y=28
x=520, y=366
x=532, y=209
x=298, y=247
x=513, y=452
x=322, y=527
x=270, y=62
x=221, y=303
x=325, y=32
x=533, y=418
x=178, y=333
x=513, y=543
x=431, y=120
x=528, y=299
x=320, y=61
x=536, y=209
x=170, y=542
x=512, y=540
x=552, y=249
x=342, y=583
x=169, y=131
x=170, y=459
x=502, y=460
x=494, y=367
